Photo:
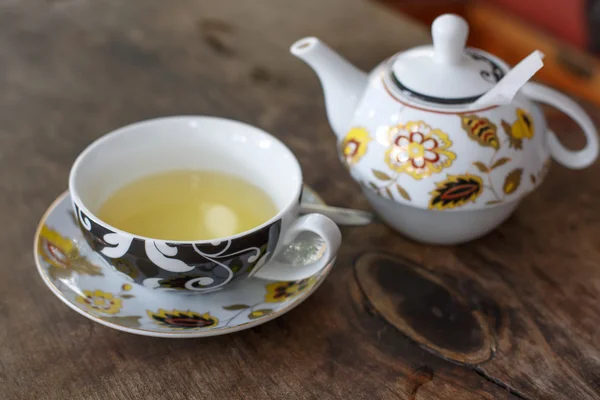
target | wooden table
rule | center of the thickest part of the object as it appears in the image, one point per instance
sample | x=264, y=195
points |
x=514, y=315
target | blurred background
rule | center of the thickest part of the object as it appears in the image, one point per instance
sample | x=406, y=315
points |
x=567, y=31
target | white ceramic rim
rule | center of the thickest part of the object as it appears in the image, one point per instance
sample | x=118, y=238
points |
x=122, y=130
x=144, y=332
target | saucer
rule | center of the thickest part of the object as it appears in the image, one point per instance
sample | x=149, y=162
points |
x=85, y=282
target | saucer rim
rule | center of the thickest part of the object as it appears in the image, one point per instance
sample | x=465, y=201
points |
x=177, y=335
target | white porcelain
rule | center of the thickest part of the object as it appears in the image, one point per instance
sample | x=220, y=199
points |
x=439, y=228
x=88, y=284
x=427, y=158
x=198, y=142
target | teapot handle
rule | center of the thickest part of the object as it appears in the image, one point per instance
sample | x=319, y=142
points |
x=571, y=159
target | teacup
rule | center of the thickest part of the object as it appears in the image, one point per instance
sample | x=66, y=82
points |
x=197, y=142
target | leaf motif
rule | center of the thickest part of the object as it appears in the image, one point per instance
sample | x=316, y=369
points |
x=373, y=186
x=481, y=130
x=456, y=191
x=381, y=175
x=127, y=296
x=513, y=142
x=234, y=307
x=500, y=162
x=403, y=192
x=389, y=192
x=507, y=128
x=512, y=181
x=481, y=167
x=532, y=177
x=491, y=202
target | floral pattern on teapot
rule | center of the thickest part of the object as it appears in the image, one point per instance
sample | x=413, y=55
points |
x=418, y=150
x=481, y=130
x=354, y=145
x=415, y=150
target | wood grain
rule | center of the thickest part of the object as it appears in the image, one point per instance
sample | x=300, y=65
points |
x=525, y=298
x=422, y=306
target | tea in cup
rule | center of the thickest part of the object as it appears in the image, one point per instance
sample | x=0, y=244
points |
x=188, y=204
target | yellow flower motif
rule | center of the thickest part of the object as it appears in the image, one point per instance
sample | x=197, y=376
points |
x=183, y=319
x=354, y=145
x=126, y=287
x=100, y=301
x=523, y=127
x=418, y=150
x=63, y=255
x=278, y=292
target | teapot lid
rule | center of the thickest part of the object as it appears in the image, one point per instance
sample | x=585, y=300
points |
x=446, y=73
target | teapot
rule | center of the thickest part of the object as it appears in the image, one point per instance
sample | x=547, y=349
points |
x=436, y=165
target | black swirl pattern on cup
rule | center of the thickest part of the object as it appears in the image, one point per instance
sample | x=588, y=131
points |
x=190, y=267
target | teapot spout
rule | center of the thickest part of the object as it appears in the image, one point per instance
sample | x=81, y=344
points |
x=343, y=83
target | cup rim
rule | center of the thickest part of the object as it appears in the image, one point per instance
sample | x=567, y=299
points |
x=123, y=129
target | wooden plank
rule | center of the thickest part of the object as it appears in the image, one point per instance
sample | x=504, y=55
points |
x=524, y=299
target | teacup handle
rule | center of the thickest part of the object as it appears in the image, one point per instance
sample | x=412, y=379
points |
x=316, y=223
x=569, y=158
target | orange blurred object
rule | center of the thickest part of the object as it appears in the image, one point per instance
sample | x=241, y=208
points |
x=564, y=19
x=511, y=29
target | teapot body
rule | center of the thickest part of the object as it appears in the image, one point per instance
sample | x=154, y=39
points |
x=443, y=176
x=444, y=140
x=444, y=159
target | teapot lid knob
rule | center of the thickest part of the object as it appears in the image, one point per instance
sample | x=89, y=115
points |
x=449, y=32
